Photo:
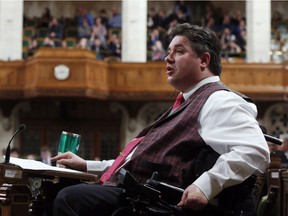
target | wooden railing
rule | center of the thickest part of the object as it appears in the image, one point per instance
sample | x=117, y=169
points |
x=275, y=181
x=92, y=78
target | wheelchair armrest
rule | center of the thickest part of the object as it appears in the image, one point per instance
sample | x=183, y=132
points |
x=169, y=193
x=133, y=187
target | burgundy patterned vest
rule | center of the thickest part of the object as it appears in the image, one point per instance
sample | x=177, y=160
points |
x=172, y=144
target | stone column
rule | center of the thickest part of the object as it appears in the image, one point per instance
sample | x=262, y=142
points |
x=258, y=14
x=11, y=29
x=134, y=30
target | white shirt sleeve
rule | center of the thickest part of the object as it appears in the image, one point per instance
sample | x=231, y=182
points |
x=98, y=167
x=227, y=124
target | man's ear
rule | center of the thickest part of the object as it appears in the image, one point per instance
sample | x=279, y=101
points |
x=205, y=60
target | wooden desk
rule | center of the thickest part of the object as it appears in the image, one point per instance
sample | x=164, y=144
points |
x=22, y=186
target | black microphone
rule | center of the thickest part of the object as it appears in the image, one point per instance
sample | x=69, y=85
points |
x=8, y=149
x=273, y=139
x=270, y=138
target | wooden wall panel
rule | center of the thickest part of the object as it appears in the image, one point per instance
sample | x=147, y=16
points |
x=124, y=81
x=11, y=74
x=259, y=80
x=11, y=79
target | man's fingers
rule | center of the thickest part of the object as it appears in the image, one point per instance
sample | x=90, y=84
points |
x=182, y=201
x=59, y=157
x=194, y=202
x=193, y=199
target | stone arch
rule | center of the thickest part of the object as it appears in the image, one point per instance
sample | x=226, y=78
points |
x=276, y=119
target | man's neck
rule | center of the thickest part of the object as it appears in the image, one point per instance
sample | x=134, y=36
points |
x=192, y=89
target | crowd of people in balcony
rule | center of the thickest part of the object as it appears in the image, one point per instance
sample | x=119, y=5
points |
x=101, y=33
x=85, y=32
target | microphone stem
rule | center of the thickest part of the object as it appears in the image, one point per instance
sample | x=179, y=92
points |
x=7, y=155
x=8, y=150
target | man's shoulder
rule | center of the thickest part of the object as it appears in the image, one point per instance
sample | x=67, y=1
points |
x=245, y=97
x=224, y=95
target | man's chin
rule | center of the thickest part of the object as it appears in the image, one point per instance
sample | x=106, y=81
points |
x=173, y=84
x=170, y=80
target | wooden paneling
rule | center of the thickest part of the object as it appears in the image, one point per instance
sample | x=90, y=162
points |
x=260, y=81
x=123, y=81
x=11, y=79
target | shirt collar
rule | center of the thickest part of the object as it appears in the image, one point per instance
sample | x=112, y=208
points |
x=190, y=91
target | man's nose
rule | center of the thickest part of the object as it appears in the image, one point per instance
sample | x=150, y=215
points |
x=168, y=58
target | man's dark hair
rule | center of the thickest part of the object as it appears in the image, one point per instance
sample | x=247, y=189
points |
x=202, y=40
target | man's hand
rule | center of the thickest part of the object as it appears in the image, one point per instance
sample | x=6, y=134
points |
x=70, y=160
x=193, y=198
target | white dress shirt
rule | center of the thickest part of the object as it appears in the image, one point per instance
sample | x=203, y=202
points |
x=228, y=124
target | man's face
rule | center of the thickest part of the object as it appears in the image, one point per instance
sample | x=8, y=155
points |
x=183, y=66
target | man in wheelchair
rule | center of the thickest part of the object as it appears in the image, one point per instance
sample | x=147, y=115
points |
x=209, y=147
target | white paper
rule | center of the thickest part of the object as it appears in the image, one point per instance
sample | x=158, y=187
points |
x=38, y=165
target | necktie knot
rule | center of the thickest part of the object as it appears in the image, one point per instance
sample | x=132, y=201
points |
x=179, y=100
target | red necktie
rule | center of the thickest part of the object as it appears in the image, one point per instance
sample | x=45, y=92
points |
x=179, y=100
x=120, y=159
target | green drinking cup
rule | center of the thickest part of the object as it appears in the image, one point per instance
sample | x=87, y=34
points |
x=69, y=142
